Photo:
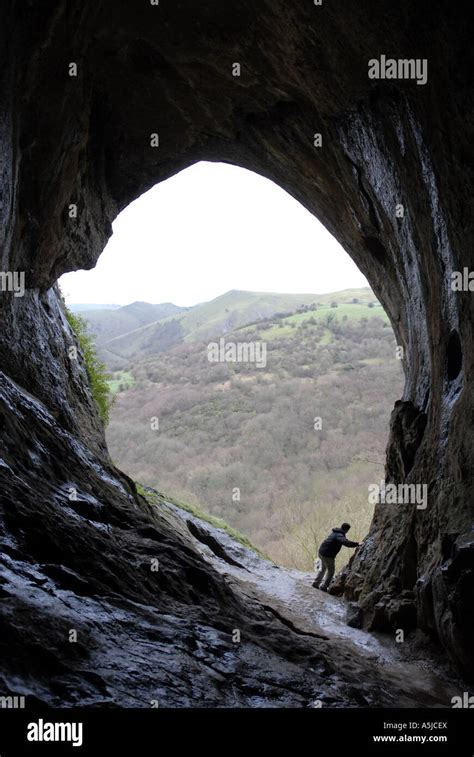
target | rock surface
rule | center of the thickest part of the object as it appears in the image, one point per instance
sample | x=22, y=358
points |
x=133, y=603
x=85, y=141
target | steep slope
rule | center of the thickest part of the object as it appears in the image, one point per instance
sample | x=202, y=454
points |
x=107, y=324
x=155, y=613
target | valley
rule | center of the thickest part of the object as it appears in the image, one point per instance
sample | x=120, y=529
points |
x=282, y=451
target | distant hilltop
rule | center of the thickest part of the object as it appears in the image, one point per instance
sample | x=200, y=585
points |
x=142, y=329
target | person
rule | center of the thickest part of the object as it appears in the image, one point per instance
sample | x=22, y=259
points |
x=328, y=550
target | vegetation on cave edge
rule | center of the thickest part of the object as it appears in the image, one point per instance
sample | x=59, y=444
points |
x=156, y=498
x=96, y=369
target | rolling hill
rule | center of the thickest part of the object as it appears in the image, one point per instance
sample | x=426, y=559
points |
x=232, y=425
x=109, y=323
x=142, y=330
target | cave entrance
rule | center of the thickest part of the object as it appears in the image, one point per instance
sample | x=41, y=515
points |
x=235, y=392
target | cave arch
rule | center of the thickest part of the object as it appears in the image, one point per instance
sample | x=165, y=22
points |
x=212, y=200
x=69, y=140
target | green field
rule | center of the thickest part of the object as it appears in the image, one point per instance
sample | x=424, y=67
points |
x=120, y=381
x=352, y=311
x=284, y=327
x=142, y=330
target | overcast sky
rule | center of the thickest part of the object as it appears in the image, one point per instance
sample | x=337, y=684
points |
x=208, y=229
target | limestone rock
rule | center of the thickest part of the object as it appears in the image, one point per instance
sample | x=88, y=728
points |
x=85, y=140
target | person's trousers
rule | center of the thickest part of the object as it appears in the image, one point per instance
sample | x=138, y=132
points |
x=328, y=565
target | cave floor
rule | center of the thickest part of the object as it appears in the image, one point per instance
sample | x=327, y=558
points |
x=297, y=652
x=411, y=667
x=85, y=621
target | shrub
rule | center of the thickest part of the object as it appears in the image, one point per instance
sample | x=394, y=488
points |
x=96, y=371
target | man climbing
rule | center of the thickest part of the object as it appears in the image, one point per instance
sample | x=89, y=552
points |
x=328, y=551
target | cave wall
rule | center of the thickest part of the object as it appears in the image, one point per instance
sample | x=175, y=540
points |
x=167, y=69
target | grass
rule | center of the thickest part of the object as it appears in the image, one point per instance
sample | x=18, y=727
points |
x=210, y=314
x=352, y=311
x=120, y=378
x=156, y=498
x=372, y=361
x=274, y=332
x=326, y=337
x=132, y=332
x=96, y=370
x=245, y=306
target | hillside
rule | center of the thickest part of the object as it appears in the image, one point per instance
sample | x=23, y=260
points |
x=239, y=441
x=142, y=330
x=108, y=323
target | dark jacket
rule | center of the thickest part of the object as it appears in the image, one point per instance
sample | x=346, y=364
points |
x=332, y=545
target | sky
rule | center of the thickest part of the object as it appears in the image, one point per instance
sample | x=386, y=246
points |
x=211, y=228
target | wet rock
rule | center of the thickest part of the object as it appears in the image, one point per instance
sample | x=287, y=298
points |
x=354, y=615
x=206, y=538
x=401, y=613
x=69, y=140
